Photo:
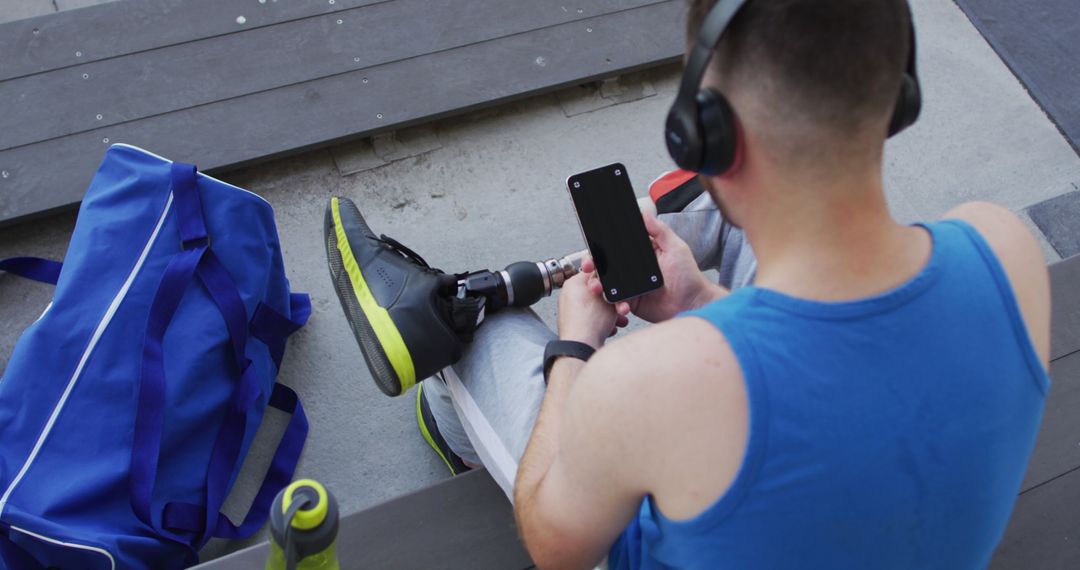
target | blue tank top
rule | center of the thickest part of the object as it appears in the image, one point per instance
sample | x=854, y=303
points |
x=888, y=432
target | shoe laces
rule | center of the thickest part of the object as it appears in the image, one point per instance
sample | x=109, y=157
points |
x=404, y=251
x=462, y=314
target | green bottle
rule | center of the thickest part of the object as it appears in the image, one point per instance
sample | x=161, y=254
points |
x=303, y=528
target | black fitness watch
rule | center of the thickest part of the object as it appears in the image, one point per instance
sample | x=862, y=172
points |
x=557, y=349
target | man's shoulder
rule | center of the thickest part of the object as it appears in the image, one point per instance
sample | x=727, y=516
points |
x=682, y=373
x=1019, y=253
x=998, y=225
x=683, y=349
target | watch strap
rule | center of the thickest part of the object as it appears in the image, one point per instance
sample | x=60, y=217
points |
x=557, y=349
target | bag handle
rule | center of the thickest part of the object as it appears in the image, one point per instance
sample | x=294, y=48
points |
x=150, y=410
x=192, y=518
x=150, y=413
x=197, y=259
x=273, y=328
x=33, y=268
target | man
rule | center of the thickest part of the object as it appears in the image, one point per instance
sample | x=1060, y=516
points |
x=869, y=402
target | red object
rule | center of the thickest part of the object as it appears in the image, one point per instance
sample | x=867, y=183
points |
x=668, y=183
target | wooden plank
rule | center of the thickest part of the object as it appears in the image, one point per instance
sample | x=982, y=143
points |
x=464, y=522
x=1065, y=322
x=77, y=37
x=1044, y=531
x=1057, y=449
x=43, y=177
x=1056, y=219
x=118, y=90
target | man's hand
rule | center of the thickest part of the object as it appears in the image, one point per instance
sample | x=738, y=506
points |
x=584, y=315
x=685, y=286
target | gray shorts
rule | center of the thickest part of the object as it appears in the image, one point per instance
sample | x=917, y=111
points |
x=486, y=404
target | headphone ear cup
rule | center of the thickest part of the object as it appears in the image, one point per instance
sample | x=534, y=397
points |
x=683, y=138
x=908, y=105
x=721, y=137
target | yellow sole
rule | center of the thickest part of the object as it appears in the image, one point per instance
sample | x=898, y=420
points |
x=424, y=430
x=378, y=318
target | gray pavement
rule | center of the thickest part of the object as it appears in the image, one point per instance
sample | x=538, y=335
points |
x=492, y=193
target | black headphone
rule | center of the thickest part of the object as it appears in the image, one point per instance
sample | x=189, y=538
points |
x=701, y=132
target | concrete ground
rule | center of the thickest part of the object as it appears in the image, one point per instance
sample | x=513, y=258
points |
x=492, y=193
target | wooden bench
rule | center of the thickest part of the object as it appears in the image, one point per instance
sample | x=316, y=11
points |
x=464, y=522
x=226, y=83
x=1044, y=531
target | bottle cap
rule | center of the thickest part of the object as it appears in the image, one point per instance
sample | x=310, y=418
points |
x=311, y=515
x=313, y=527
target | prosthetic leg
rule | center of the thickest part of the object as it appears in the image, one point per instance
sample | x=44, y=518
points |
x=411, y=319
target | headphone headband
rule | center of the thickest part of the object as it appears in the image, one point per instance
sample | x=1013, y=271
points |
x=708, y=37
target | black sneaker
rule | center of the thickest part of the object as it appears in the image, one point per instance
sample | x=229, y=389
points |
x=430, y=430
x=396, y=303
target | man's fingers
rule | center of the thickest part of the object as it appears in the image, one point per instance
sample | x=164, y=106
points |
x=587, y=265
x=659, y=231
x=593, y=282
x=621, y=321
x=622, y=308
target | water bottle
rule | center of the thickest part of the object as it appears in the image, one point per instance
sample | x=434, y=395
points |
x=303, y=528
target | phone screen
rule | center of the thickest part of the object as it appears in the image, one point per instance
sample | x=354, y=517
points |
x=615, y=232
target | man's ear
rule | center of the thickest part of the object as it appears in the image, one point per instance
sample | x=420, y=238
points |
x=712, y=184
x=740, y=152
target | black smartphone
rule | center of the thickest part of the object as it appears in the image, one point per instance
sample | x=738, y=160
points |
x=611, y=222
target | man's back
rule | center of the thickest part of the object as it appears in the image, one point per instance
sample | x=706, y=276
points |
x=886, y=432
x=832, y=431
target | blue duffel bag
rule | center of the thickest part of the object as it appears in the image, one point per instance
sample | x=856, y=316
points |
x=127, y=408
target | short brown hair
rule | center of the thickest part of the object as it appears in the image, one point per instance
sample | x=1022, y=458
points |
x=838, y=63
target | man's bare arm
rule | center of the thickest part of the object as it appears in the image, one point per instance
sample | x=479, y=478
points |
x=544, y=443
x=568, y=517
x=672, y=393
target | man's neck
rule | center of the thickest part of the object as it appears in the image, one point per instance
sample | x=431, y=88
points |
x=833, y=239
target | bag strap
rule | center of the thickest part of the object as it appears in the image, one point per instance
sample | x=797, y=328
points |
x=34, y=268
x=197, y=259
x=150, y=413
x=188, y=205
x=227, y=446
x=192, y=518
x=273, y=328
